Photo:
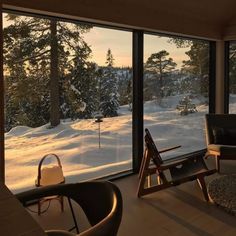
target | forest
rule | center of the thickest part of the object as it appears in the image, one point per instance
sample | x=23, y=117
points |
x=49, y=74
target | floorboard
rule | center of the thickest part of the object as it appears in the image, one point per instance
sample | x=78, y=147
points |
x=176, y=211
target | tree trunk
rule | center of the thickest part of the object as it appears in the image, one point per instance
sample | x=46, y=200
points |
x=54, y=77
x=2, y=153
x=161, y=81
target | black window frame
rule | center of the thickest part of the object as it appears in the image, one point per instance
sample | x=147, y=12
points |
x=137, y=66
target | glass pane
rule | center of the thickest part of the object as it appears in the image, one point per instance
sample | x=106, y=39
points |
x=67, y=92
x=232, y=77
x=176, y=92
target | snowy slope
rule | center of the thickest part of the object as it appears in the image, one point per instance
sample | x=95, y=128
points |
x=76, y=143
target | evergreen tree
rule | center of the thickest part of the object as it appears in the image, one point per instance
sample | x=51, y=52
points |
x=232, y=68
x=129, y=94
x=80, y=96
x=108, y=89
x=54, y=75
x=40, y=51
x=198, y=66
x=124, y=77
x=159, y=67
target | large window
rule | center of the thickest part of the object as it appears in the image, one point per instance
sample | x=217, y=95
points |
x=68, y=91
x=232, y=77
x=176, y=96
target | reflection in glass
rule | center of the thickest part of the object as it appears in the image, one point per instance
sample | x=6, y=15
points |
x=232, y=77
x=176, y=82
x=59, y=77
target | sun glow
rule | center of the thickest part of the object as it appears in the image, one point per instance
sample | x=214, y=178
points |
x=120, y=42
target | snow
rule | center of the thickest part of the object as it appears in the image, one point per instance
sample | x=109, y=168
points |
x=73, y=88
x=76, y=143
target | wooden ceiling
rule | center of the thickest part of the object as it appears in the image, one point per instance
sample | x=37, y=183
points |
x=220, y=12
x=212, y=19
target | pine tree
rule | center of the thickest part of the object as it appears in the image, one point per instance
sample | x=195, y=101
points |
x=34, y=45
x=232, y=68
x=129, y=94
x=159, y=66
x=109, y=103
x=80, y=96
x=124, y=82
x=198, y=66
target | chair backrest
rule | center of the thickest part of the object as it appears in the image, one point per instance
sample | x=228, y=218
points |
x=152, y=149
x=213, y=121
x=101, y=202
x=49, y=175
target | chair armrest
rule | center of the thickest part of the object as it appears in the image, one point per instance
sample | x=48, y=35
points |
x=59, y=233
x=169, y=149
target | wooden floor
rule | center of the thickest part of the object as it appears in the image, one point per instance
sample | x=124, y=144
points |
x=176, y=211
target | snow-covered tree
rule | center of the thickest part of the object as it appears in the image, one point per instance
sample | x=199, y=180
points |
x=159, y=67
x=80, y=91
x=232, y=68
x=37, y=56
x=198, y=66
x=109, y=103
x=124, y=77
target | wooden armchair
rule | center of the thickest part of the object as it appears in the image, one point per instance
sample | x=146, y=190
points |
x=221, y=137
x=170, y=173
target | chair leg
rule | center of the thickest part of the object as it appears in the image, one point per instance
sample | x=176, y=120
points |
x=158, y=179
x=62, y=203
x=73, y=216
x=142, y=164
x=149, y=181
x=39, y=207
x=203, y=187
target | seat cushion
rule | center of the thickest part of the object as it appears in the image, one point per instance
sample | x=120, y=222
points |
x=231, y=136
x=223, y=149
x=218, y=135
x=224, y=136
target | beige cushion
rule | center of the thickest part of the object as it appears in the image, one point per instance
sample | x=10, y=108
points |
x=223, y=149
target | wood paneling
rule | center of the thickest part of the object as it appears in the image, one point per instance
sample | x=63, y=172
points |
x=2, y=168
x=193, y=18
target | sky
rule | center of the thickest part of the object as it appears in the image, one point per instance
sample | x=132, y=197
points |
x=120, y=42
x=153, y=44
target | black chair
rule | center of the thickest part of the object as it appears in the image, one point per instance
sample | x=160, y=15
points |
x=101, y=202
x=221, y=137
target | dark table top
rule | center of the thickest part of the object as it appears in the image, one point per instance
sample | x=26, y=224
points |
x=14, y=219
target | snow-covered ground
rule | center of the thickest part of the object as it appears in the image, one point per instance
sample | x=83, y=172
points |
x=76, y=143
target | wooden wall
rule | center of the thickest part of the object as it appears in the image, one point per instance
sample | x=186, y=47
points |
x=134, y=14
x=2, y=168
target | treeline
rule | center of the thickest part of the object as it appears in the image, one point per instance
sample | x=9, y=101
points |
x=232, y=68
x=163, y=79
x=49, y=75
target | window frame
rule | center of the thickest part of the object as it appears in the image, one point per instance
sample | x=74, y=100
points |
x=137, y=66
